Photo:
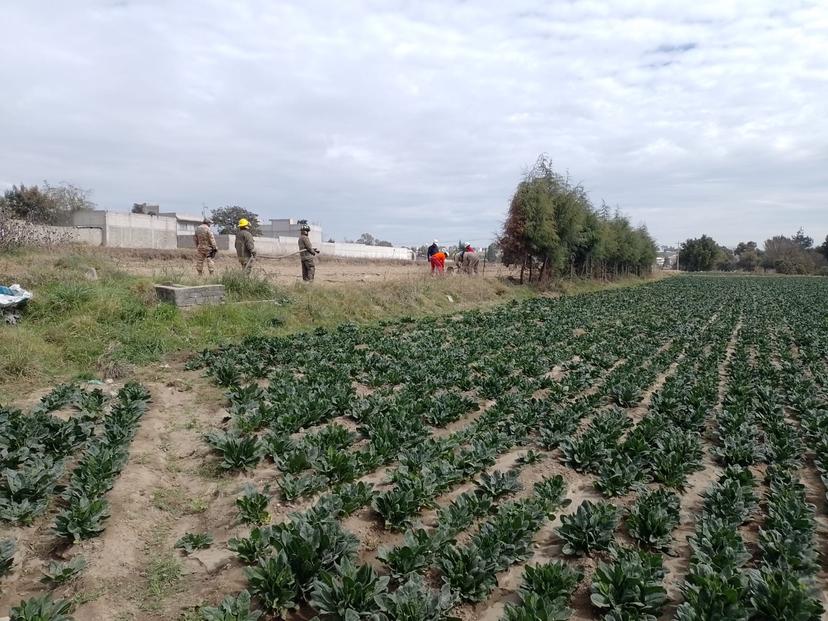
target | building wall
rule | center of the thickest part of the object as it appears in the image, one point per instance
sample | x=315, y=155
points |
x=361, y=251
x=288, y=227
x=131, y=230
x=68, y=234
x=282, y=246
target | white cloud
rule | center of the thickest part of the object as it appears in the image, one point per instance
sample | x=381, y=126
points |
x=417, y=119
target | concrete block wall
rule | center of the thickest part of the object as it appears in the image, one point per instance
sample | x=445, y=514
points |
x=131, y=230
x=190, y=296
x=361, y=251
x=68, y=234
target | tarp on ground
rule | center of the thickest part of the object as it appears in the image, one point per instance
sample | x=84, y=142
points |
x=13, y=296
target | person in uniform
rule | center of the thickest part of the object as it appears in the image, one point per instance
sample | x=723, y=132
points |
x=206, y=249
x=245, y=246
x=306, y=254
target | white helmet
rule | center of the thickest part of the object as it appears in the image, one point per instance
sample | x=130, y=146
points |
x=435, y=242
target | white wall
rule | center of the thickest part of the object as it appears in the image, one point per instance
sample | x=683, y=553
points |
x=281, y=246
x=361, y=251
x=131, y=230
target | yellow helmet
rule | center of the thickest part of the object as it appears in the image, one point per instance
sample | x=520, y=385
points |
x=243, y=223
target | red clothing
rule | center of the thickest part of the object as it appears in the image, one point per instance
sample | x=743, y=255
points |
x=438, y=262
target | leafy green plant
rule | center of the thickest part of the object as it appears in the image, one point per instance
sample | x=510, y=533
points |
x=313, y=543
x=232, y=608
x=498, y=483
x=82, y=519
x=42, y=608
x=625, y=394
x=191, y=542
x=653, y=517
x=354, y=496
x=7, y=549
x=630, y=584
x=414, y=601
x=334, y=464
x=459, y=514
x=718, y=545
x=534, y=607
x=296, y=486
x=468, y=572
x=58, y=573
x=712, y=594
x=252, y=506
x=530, y=457
x=590, y=528
x=273, y=582
x=617, y=475
x=780, y=594
x=254, y=547
x=584, y=453
x=413, y=555
x=550, y=581
x=351, y=592
x=398, y=505
x=238, y=452
x=550, y=491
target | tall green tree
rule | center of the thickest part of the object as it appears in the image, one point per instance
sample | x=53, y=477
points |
x=227, y=220
x=698, y=255
x=552, y=230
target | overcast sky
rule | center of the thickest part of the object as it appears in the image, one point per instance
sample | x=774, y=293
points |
x=415, y=119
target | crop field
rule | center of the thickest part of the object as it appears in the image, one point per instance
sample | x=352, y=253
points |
x=656, y=452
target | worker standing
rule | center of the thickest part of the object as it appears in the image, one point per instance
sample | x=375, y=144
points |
x=432, y=250
x=206, y=249
x=245, y=246
x=306, y=254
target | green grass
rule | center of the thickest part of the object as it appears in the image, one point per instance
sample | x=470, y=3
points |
x=76, y=328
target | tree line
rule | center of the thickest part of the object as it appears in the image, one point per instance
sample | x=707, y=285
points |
x=796, y=254
x=553, y=230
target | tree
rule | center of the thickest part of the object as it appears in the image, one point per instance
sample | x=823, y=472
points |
x=789, y=255
x=698, y=255
x=68, y=197
x=748, y=256
x=802, y=240
x=492, y=252
x=227, y=220
x=370, y=240
x=823, y=249
x=551, y=225
x=725, y=260
x=47, y=204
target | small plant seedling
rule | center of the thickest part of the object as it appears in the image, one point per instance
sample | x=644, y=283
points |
x=191, y=542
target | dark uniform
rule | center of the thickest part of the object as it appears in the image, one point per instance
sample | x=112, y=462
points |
x=245, y=249
x=306, y=254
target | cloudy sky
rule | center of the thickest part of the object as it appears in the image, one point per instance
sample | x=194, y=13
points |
x=414, y=119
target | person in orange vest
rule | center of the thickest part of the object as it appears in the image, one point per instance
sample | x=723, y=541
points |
x=438, y=262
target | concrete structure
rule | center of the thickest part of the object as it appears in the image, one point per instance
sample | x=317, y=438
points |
x=288, y=227
x=186, y=223
x=170, y=231
x=283, y=246
x=190, y=296
x=65, y=234
x=129, y=230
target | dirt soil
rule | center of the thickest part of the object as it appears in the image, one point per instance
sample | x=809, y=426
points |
x=288, y=270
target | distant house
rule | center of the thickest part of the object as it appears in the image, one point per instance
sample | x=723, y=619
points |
x=186, y=222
